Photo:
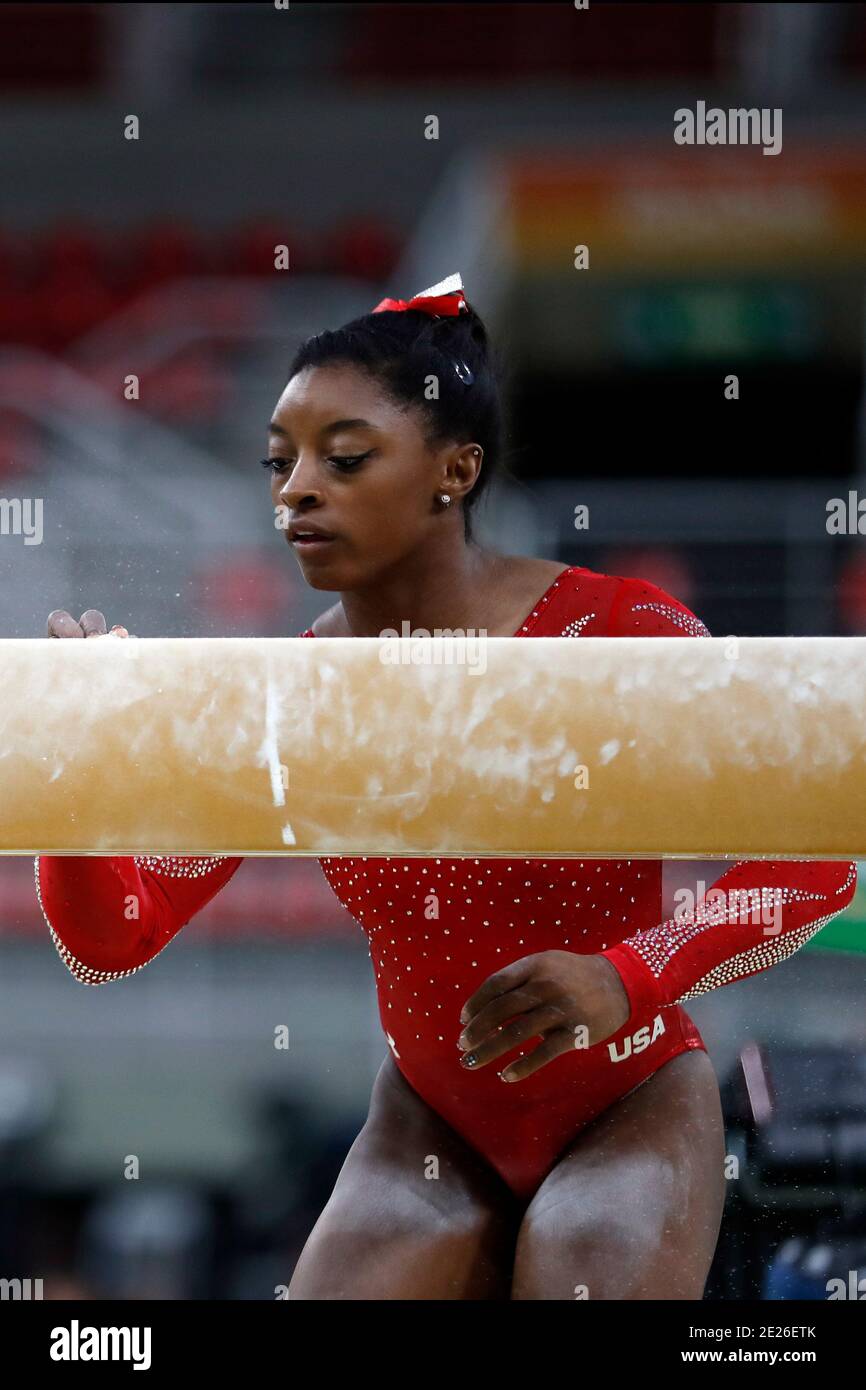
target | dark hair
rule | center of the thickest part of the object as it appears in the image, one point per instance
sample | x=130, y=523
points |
x=401, y=350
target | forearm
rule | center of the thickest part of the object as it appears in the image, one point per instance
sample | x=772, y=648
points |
x=109, y=915
x=756, y=914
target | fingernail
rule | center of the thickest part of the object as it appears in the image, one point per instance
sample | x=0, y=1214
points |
x=469, y=1060
x=507, y=1076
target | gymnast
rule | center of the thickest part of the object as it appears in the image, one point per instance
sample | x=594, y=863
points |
x=546, y=1121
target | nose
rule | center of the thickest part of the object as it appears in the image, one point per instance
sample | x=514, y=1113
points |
x=301, y=486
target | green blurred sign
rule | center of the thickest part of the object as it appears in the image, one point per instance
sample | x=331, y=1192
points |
x=846, y=932
x=691, y=323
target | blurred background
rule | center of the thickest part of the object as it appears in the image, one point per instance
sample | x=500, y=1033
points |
x=257, y=127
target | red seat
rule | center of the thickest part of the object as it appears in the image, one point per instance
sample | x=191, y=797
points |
x=249, y=249
x=163, y=251
x=68, y=304
x=366, y=247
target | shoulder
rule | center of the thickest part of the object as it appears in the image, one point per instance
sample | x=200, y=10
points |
x=612, y=605
x=642, y=609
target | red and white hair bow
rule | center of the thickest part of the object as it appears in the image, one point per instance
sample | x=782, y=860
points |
x=445, y=300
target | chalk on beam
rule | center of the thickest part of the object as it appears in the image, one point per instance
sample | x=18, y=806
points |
x=590, y=747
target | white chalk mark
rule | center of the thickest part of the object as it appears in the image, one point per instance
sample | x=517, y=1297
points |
x=268, y=751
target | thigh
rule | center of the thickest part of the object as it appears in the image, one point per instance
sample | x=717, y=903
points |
x=415, y=1213
x=632, y=1210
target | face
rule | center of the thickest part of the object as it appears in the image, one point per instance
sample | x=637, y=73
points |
x=347, y=461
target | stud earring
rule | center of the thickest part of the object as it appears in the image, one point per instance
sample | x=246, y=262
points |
x=445, y=499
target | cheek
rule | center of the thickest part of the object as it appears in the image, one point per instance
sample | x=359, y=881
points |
x=395, y=522
x=402, y=495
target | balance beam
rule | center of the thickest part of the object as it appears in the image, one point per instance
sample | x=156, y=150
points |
x=591, y=747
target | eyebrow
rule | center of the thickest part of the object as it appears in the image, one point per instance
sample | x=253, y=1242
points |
x=274, y=428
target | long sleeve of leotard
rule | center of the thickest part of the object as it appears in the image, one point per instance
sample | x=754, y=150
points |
x=758, y=913
x=109, y=916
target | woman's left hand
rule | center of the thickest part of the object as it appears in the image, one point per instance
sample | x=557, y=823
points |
x=567, y=999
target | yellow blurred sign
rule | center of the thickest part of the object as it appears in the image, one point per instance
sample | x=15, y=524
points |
x=687, y=210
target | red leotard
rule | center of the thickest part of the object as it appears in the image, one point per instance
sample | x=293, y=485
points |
x=492, y=912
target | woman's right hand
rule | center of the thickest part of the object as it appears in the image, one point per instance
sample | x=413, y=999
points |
x=90, y=624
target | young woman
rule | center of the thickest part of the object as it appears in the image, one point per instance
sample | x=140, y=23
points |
x=546, y=1123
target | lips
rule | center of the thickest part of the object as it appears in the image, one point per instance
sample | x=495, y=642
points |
x=307, y=536
x=308, y=533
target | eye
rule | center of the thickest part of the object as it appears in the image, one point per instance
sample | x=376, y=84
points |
x=344, y=462
x=349, y=461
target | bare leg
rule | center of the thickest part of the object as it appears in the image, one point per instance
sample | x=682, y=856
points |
x=632, y=1210
x=393, y=1230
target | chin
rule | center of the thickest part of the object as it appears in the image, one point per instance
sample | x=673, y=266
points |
x=324, y=582
x=329, y=580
